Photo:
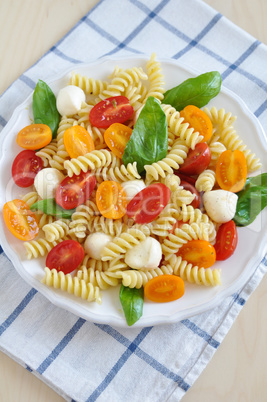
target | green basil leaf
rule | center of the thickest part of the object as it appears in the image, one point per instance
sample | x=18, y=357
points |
x=50, y=207
x=250, y=203
x=44, y=107
x=197, y=91
x=149, y=140
x=132, y=301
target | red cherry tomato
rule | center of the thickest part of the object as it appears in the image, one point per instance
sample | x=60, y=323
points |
x=184, y=177
x=148, y=203
x=75, y=190
x=65, y=256
x=197, y=160
x=226, y=240
x=25, y=167
x=116, y=109
x=189, y=187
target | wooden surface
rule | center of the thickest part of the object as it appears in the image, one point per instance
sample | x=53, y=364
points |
x=238, y=369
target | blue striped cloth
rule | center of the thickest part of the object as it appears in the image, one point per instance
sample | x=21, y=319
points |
x=83, y=361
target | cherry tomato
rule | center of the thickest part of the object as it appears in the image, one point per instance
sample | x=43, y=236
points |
x=65, y=256
x=231, y=170
x=116, y=138
x=34, y=136
x=226, y=240
x=20, y=220
x=75, y=190
x=111, y=199
x=198, y=120
x=116, y=109
x=197, y=160
x=198, y=252
x=185, y=177
x=164, y=288
x=78, y=141
x=189, y=187
x=25, y=167
x=148, y=203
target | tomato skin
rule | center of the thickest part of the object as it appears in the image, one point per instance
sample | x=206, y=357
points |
x=25, y=167
x=184, y=177
x=148, y=203
x=65, y=256
x=116, y=138
x=164, y=288
x=78, y=141
x=74, y=191
x=231, y=170
x=116, y=109
x=20, y=220
x=189, y=187
x=199, y=120
x=226, y=240
x=34, y=136
x=111, y=199
x=198, y=252
x=197, y=160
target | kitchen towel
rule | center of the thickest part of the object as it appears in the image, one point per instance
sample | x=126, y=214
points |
x=85, y=361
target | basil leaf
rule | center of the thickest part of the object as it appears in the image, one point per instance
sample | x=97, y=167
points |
x=197, y=91
x=44, y=107
x=132, y=301
x=50, y=207
x=250, y=203
x=149, y=140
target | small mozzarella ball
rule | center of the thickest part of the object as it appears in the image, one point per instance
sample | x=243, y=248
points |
x=220, y=205
x=133, y=187
x=46, y=182
x=69, y=100
x=145, y=255
x=95, y=243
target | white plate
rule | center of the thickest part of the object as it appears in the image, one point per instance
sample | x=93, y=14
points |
x=252, y=244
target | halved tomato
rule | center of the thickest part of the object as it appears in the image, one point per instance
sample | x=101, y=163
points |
x=197, y=160
x=231, y=170
x=164, y=288
x=78, y=141
x=20, y=220
x=148, y=203
x=34, y=136
x=25, y=167
x=65, y=256
x=75, y=190
x=111, y=199
x=116, y=109
x=226, y=240
x=116, y=138
x=198, y=252
x=199, y=120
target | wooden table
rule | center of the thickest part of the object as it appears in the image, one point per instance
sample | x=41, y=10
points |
x=238, y=369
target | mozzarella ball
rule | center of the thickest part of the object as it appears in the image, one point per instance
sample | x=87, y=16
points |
x=145, y=255
x=220, y=205
x=132, y=187
x=46, y=182
x=95, y=243
x=69, y=100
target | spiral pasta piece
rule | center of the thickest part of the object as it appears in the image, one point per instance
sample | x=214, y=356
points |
x=103, y=280
x=77, y=287
x=81, y=218
x=105, y=225
x=155, y=77
x=91, y=161
x=194, y=274
x=205, y=181
x=120, y=173
x=219, y=118
x=216, y=149
x=39, y=248
x=90, y=86
x=180, y=129
x=47, y=153
x=122, y=243
x=136, y=279
x=30, y=198
x=56, y=230
x=194, y=231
